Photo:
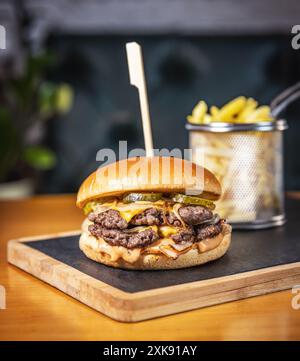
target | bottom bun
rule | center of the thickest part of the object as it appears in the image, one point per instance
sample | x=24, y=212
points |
x=159, y=262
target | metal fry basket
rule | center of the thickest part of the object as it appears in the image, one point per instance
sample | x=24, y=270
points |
x=248, y=161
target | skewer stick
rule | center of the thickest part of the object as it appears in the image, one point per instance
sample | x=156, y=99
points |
x=137, y=79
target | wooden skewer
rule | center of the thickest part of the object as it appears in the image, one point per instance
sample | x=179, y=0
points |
x=137, y=79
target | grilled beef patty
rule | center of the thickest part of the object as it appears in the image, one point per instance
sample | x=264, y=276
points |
x=191, y=215
x=149, y=217
x=116, y=237
x=185, y=235
x=198, y=233
x=110, y=226
x=109, y=219
x=208, y=231
x=195, y=214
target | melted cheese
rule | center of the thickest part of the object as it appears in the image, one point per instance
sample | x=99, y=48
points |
x=128, y=211
x=129, y=214
x=167, y=231
x=141, y=229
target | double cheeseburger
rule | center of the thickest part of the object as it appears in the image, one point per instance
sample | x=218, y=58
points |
x=133, y=222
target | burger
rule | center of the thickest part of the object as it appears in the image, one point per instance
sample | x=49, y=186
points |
x=150, y=213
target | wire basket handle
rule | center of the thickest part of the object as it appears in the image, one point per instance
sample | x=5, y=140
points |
x=285, y=98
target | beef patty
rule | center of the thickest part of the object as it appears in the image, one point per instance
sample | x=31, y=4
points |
x=195, y=214
x=149, y=217
x=198, y=233
x=116, y=237
x=209, y=231
x=185, y=235
x=110, y=226
x=109, y=219
x=192, y=215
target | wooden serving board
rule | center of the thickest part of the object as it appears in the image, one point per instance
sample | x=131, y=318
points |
x=257, y=263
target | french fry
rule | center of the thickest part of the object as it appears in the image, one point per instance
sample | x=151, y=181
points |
x=207, y=119
x=238, y=110
x=250, y=107
x=198, y=113
x=230, y=111
x=259, y=115
x=214, y=111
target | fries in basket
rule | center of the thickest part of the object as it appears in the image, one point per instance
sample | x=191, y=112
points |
x=246, y=163
x=238, y=110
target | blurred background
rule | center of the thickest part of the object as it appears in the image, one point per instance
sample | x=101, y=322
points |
x=64, y=84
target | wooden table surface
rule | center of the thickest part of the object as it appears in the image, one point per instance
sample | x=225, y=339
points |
x=37, y=311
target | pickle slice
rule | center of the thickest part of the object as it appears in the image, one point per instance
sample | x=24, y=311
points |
x=89, y=207
x=146, y=197
x=182, y=198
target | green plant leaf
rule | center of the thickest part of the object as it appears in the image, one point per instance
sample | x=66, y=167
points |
x=39, y=157
x=23, y=88
x=47, y=98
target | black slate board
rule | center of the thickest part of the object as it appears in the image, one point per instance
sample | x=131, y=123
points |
x=250, y=250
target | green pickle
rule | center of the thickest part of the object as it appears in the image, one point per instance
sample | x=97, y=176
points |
x=89, y=207
x=146, y=197
x=182, y=198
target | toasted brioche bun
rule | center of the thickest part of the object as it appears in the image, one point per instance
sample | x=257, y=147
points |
x=160, y=262
x=156, y=174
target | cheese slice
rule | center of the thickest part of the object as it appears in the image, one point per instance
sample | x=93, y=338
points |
x=128, y=211
x=129, y=214
x=167, y=231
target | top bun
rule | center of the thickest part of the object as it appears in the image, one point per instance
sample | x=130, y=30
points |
x=142, y=174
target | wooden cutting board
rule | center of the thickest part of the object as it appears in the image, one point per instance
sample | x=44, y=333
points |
x=258, y=262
